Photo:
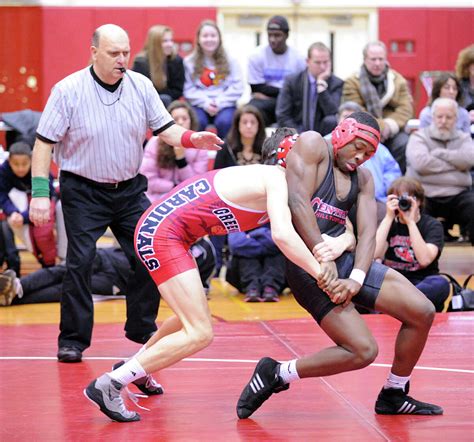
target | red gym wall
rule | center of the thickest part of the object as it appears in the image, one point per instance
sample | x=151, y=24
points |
x=435, y=36
x=49, y=43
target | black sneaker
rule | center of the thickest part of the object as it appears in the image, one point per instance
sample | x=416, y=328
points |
x=270, y=295
x=252, y=295
x=105, y=392
x=264, y=382
x=146, y=384
x=396, y=401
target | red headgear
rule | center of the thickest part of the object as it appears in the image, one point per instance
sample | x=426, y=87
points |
x=348, y=129
x=285, y=146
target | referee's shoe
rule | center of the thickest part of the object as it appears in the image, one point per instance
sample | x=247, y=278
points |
x=397, y=401
x=264, y=382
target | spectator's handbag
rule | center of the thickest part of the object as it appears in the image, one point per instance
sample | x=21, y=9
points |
x=463, y=297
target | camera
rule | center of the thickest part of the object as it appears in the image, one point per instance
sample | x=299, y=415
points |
x=404, y=202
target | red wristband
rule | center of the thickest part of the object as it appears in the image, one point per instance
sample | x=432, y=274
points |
x=186, y=139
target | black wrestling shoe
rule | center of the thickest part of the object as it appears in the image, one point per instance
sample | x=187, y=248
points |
x=396, y=401
x=264, y=382
x=146, y=384
x=105, y=393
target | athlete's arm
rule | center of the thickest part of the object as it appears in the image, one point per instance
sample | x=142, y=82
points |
x=333, y=247
x=366, y=221
x=283, y=233
x=39, y=209
x=343, y=290
x=303, y=161
x=301, y=175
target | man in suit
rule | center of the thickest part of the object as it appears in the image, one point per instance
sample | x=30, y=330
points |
x=310, y=98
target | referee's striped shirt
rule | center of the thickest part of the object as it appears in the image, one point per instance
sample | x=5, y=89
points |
x=100, y=134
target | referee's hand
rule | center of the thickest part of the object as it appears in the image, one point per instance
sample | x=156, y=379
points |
x=206, y=140
x=39, y=210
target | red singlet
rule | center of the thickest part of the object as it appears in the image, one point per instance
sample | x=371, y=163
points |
x=190, y=211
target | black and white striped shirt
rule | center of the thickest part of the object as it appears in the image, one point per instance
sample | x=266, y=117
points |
x=95, y=138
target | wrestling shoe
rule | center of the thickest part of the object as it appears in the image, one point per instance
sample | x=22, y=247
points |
x=147, y=385
x=7, y=287
x=264, y=382
x=105, y=392
x=397, y=401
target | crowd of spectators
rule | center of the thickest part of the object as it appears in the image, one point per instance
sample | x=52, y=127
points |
x=203, y=92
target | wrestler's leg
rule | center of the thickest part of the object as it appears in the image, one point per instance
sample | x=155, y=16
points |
x=185, y=295
x=355, y=346
x=399, y=298
x=170, y=325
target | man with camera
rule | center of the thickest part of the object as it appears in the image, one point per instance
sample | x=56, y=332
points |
x=411, y=242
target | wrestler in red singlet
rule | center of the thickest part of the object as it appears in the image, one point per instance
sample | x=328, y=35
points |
x=190, y=211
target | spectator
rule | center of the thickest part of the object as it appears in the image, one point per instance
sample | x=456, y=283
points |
x=309, y=99
x=110, y=273
x=159, y=62
x=15, y=173
x=23, y=124
x=213, y=80
x=447, y=86
x=440, y=157
x=411, y=242
x=384, y=93
x=244, y=141
x=98, y=137
x=8, y=252
x=257, y=266
x=465, y=73
x=243, y=146
x=269, y=65
x=166, y=166
x=260, y=264
x=382, y=165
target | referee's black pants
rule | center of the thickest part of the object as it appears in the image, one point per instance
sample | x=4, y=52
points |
x=88, y=211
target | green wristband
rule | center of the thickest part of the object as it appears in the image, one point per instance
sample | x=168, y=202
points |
x=39, y=187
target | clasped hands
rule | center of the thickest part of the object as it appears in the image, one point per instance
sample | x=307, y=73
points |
x=340, y=291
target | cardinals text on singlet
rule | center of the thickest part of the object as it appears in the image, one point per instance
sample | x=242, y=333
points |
x=160, y=212
x=326, y=211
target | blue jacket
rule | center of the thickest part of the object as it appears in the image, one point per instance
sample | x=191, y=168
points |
x=253, y=244
x=9, y=181
x=384, y=170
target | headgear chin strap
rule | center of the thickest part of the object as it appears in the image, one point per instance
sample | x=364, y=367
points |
x=349, y=129
x=284, y=148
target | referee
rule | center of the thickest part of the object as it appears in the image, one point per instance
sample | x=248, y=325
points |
x=96, y=120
